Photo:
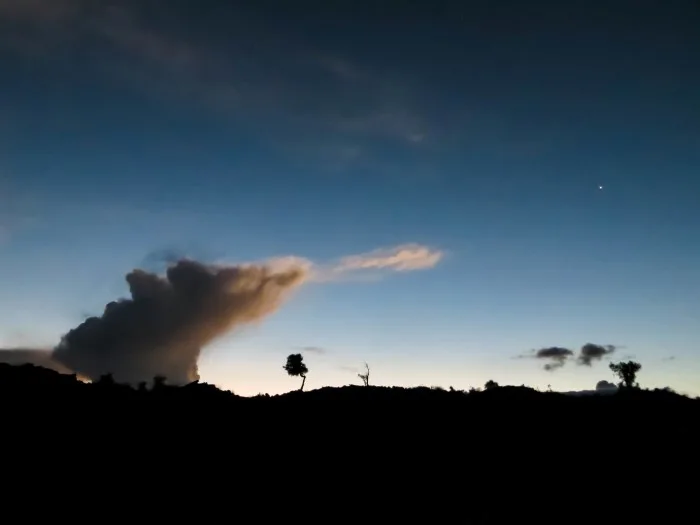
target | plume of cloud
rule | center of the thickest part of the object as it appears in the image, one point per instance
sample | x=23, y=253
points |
x=163, y=327
x=591, y=352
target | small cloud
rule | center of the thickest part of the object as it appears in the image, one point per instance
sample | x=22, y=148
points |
x=313, y=350
x=591, y=352
x=669, y=358
x=351, y=369
x=557, y=356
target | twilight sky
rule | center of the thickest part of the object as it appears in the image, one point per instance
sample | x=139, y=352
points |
x=439, y=162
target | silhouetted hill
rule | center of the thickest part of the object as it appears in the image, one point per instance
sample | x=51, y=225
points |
x=503, y=455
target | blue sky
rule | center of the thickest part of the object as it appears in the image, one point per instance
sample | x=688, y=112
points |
x=249, y=131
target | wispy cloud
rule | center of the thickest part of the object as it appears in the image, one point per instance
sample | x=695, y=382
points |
x=403, y=258
x=406, y=257
x=313, y=350
x=15, y=212
x=400, y=124
x=367, y=266
x=219, y=71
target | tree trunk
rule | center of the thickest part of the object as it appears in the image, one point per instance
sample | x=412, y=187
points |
x=302, y=383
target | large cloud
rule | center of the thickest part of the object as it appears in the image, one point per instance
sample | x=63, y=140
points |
x=162, y=328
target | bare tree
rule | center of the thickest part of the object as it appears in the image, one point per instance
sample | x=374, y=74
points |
x=365, y=376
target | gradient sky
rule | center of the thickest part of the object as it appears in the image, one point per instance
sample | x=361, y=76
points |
x=479, y=130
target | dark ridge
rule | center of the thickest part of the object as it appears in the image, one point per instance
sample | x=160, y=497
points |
x=507, y=454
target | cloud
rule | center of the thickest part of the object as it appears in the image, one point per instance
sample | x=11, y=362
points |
x=313, y=350
x=402, y=258
x=237, y=64
x=591, y=352
x=163, y=327
x=556, y=355
x=559, y=356
x=400, y=124
x=39, y=11
x=367, y=266
x=168, y=319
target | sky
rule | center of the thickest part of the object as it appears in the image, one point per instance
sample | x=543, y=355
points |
x=470, y=181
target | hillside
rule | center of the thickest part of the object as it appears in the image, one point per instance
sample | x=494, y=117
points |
x=442, y=453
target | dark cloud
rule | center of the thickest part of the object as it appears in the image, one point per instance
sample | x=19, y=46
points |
x=591, y=352
x=556, y=355
x=163, y=327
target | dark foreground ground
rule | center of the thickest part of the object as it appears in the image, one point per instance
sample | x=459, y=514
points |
x=352, y=454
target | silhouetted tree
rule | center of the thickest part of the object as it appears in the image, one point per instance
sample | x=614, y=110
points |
x=295, y=367
x=490, y=384
x=365, y=376
x=158, y=382
x=627, y=372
